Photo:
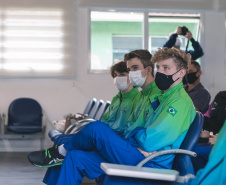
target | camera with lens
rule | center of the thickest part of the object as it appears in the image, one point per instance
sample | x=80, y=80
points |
x=184, y=30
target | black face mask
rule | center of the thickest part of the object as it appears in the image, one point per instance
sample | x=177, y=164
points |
x=191, y=77
x=163, y=81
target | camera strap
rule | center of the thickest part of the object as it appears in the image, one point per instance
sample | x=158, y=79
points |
x=187, y=47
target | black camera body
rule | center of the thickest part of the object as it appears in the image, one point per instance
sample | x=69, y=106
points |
x=184, y=30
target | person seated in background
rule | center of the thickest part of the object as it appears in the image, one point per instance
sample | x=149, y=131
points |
x=97, y=142
x=197, y=92
x=175, y=41
x=211, y=128
x=203, y=150
x=214, y=171
x=217, y=114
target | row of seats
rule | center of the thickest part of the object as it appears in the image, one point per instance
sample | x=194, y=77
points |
x=94, y=110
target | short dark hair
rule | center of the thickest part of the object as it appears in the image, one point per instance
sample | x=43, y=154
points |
x=196, y=65
x=119, y=67
x=180, y=58
x=144, y=56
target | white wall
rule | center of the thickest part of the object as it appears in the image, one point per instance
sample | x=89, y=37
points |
x=213, y=62
x=59, y=97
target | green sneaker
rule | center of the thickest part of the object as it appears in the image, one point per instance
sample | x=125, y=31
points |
x=46, y=158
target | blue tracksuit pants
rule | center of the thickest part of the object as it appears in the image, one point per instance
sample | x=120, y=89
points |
x=94, y=144
x=202, y=150
x=62, y=139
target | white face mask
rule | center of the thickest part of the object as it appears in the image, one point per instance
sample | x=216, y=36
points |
x=121, y=83
x=136, y=78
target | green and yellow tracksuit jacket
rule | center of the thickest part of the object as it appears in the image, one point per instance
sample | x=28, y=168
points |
x=167, y=125
x=120, y=109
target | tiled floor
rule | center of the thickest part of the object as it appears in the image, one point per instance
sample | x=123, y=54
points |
x=15, y=169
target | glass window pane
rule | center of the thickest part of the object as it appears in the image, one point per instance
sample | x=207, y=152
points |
x=161, y=26
x=123, y=45
x=112, y=35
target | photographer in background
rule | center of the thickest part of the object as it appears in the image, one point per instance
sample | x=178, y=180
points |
x=175, y=41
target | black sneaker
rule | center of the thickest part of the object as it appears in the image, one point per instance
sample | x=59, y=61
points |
x=46, y=158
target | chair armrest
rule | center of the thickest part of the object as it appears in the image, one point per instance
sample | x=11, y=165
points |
x=172, y=151
x=86, y=120
x=77, y=124
x=82, y=114
x=81, y=124
x=144, y=173
x=149, y=173
x=139, y=172
x=73, y=124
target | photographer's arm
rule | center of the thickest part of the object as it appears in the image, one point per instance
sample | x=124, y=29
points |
x=171, y=42
x=173, y=37
x=198, y=51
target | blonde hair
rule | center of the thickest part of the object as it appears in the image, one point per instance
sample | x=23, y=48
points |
x=180, y=58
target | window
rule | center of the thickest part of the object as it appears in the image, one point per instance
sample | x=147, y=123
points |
x=156, y=42
x=124, y=44
x=33, y=42
x=113, y=34
x=162, y=25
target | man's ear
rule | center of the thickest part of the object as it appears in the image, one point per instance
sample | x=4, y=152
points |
x=149, y=70
x=198, y=74
x=183, y=72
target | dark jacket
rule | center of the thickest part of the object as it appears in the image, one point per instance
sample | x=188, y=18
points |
x=195, y=54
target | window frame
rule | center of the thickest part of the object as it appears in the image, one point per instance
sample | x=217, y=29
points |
x=145, y=34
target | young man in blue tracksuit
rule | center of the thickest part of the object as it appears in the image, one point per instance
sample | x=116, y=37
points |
x=120, y=109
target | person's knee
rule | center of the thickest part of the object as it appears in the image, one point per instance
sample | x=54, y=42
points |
x=96, y=126
x=76, y=154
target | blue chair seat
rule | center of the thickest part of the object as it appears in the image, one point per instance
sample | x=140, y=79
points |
x=25, y=116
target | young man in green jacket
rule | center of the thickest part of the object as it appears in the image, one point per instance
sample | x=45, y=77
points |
x=123, y=103
x=165, y=129
x=141, y=74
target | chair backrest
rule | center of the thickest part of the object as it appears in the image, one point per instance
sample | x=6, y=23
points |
x=24, y=116
x=183, y=163
x=102, y=110
x=95, y=109
x=89, y=106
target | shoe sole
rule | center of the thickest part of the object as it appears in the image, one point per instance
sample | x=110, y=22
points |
x=51, y=165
